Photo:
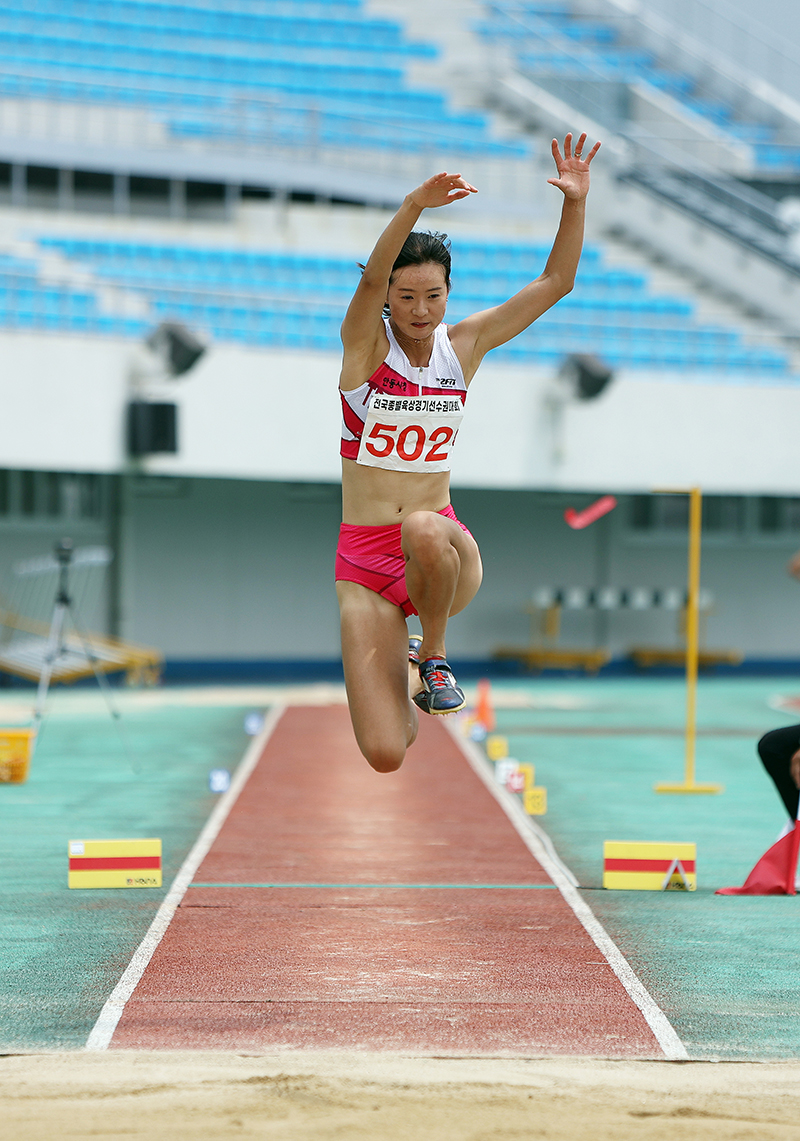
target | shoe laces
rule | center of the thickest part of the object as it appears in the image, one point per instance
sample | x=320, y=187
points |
x=437, y=677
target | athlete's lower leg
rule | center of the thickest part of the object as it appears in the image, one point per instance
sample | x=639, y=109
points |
x=385, y=753
x=433, y=566
x=415, y=687
x=375, y=658
x=443, y=572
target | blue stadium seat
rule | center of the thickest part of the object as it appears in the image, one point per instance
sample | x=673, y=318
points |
x=283, y=299
x=559, y=41
x=192, y=66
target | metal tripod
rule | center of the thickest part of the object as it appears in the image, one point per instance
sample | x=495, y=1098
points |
x=56, y=647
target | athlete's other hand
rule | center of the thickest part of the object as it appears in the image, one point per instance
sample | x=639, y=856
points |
x=794, y=566
x=572, y=167
x=441, y=189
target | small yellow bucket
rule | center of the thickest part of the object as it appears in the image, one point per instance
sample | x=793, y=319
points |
x=16, y=747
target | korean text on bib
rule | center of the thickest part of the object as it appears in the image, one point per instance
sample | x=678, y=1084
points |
x=410, y=433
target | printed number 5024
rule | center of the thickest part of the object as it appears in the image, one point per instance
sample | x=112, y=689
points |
x=410, y=443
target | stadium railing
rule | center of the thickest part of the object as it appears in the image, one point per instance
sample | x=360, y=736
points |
x=593, y=55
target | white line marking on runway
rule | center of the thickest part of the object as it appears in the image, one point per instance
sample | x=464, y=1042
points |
x=106, y=1024
x=541, y=848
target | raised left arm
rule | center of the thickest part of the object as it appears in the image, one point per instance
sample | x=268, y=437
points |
x=473, y=337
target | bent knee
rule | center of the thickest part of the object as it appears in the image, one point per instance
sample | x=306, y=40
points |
x=424, y=533
x=383, y=759
x=384, y=751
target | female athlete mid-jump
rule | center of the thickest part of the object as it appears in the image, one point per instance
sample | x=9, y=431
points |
x=403, y=384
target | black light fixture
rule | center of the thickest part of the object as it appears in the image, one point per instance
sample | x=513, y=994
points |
x=168, y=352
x=585, y=374
x=152, y=427
x=177, y=347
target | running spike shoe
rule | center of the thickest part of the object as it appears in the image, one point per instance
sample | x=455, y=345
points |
x=421, y=701
x=441, y=690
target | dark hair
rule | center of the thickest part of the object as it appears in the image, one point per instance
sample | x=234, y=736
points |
x=420, y=248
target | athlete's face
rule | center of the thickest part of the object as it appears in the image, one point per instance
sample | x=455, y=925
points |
x=417, y=299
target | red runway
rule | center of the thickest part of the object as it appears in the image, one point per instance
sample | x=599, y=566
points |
x=341, y=959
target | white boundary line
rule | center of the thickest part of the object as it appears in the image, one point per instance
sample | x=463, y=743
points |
x=106, y=1024
x=541, y=848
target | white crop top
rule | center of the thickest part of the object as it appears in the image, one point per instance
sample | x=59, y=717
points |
x=411, y=414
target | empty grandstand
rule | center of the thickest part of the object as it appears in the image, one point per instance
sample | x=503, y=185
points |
x=227, y=168
x=287, y=299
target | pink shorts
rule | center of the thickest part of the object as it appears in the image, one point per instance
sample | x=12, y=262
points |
x=373, y=557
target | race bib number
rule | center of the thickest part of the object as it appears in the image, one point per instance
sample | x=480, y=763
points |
x=410, y=433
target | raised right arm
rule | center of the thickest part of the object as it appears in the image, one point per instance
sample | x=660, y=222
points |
x=362, y=330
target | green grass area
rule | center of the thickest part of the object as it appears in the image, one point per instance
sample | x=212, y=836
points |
x=722, y=968
x=62, y=951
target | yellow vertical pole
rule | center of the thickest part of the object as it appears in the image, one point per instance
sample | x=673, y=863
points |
x=692, y=650
x=692, y=629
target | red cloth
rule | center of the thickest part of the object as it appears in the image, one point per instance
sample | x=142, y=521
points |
x=775, y=872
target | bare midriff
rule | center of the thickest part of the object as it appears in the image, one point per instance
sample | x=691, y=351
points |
x=375, y=497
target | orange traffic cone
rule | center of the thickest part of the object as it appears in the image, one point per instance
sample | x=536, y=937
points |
x=484, y=711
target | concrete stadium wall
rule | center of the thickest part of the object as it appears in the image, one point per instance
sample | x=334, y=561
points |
x=252, y=414
x=240, y=569
x=227, y=569
x=236, y=570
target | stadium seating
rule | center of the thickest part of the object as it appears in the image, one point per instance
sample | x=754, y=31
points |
x=281, y=299
x=28, y=302
x=554, y=44
x=308, y=73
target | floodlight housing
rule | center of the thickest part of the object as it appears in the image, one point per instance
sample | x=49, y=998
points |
x=177, y=347
x=585, y=375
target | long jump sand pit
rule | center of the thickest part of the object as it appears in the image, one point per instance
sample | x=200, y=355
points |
x=389, y=1097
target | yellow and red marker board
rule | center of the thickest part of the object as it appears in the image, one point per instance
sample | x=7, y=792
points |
x=114, y=863
x=649, y=866
x=534, y=800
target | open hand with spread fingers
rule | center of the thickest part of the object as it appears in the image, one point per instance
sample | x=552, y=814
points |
x=573, y=168
x=441, y=189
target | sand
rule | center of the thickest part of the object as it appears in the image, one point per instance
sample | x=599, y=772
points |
x=386, y=1097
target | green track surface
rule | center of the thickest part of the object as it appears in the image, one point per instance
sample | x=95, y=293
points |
x=62, y=951
x=725, y=970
